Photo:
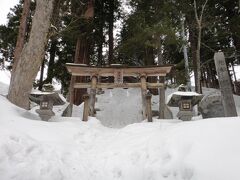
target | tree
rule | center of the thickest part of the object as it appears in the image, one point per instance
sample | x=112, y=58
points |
x=99, y=25
x=9, y=32
x=84, y=15
x=21, y=33
x=110, y=31
x=32, y=55
x=199, y=28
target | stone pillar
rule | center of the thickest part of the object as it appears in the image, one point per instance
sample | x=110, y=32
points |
x=225, y=85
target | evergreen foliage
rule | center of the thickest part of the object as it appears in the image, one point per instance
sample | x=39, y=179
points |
x=152, y=29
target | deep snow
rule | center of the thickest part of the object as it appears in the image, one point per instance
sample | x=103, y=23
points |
x=69, y=149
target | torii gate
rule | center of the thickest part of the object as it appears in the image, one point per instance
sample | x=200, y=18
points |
x=119, y=71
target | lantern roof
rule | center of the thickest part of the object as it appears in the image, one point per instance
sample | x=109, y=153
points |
x=174, y=98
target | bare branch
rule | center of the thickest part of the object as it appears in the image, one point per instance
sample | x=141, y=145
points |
x=203, y=7
x=195, y=11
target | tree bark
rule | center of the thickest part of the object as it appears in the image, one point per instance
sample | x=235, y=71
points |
x=198, y=53
x=193, y=48
x=110, y=31
x=100, y=43
x=81, y=57
x=100, y=48
x=81, y=54
x=185, y=54
x=31, y=56
x=198, y=60
x=41, y=76
x=52, y=52
x=21, y=33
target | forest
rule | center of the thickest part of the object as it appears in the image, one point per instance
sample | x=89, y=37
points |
x=45, y=35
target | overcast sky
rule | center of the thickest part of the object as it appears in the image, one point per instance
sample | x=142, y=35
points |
x=5, y=6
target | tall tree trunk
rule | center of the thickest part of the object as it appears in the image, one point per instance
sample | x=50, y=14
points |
x=198, y=59
x=212, y=71
x=193, y=48
x=198, y=53
x=41, y=75
x=185, y=54
x=55, y=21
x=81, y=57
x=21, y=33
x=100, y=48
x=99, y=22
x=110, y=31
x=31, y=56
x=101, y=36
x=149, y=60
x=52, y=52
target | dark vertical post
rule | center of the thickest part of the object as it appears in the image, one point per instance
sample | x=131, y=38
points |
x=148, y=107
x=86, y=107
x=162, y=99
x=144, y=92
x=225, y=85
x=71, y=95
x=93, y=95
x=41, y=76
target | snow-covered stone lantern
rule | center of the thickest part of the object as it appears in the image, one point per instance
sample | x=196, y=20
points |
x=185, y=101
x=46, y=105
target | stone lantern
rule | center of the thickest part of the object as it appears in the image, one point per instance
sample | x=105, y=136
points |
x=185, y=101
x=46, y=105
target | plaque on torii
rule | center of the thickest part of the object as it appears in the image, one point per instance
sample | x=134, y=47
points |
x=118, y=77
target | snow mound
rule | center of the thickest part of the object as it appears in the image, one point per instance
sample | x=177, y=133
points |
x=70, y=149
x=119, y=107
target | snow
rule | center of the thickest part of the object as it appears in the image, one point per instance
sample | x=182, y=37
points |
x=4, y=81
x=35, y=91
x=182, y=93
x=119, y=107
x=69, y=149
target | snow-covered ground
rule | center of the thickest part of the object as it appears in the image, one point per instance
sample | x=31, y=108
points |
x=69, y=149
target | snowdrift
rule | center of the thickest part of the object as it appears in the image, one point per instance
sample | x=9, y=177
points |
x=69, y=149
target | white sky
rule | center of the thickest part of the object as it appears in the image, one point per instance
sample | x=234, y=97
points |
x=5, y=6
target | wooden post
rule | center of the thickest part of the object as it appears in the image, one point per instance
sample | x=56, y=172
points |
x=93, y=95
x=71, y=95
x=225, y=85
x=148, y=107
x=86, y=107
x=161, y=99
x=144, y=92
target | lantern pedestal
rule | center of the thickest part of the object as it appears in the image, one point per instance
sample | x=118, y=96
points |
x=46, y=105
x=45, y=114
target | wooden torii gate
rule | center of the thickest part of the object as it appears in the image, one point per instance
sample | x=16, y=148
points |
x=119, y=72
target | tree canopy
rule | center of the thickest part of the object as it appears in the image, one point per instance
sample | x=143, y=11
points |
x=149, y=34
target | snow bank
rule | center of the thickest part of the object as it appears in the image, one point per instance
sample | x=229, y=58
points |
x=4, y=81
x=70, y=149
x=119, y=107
